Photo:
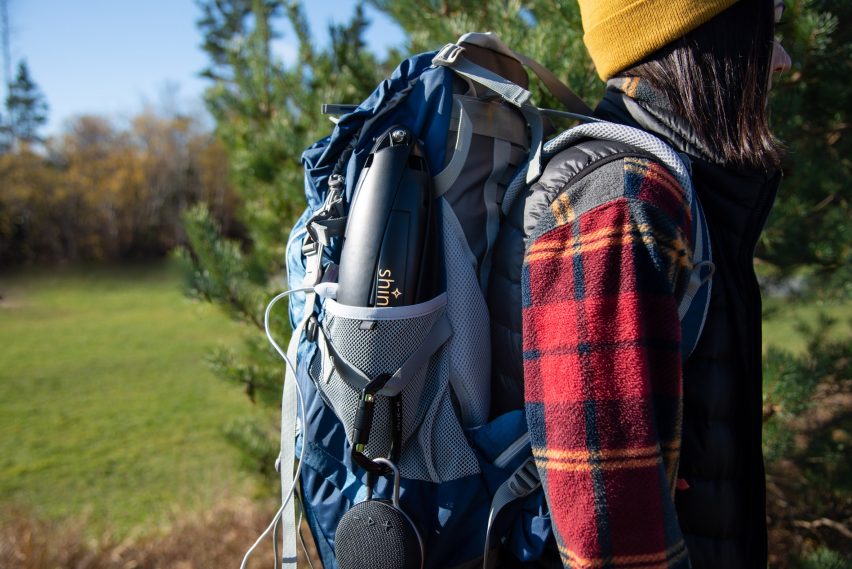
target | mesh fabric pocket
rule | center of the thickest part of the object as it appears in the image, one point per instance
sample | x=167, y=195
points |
x=378, y=341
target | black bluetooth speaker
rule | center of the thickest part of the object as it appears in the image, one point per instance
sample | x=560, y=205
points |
x=378, y=535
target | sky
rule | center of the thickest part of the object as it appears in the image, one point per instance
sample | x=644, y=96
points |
x=112, y=57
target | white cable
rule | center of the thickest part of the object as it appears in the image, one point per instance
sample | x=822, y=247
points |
x=275, y=541
x=262, y=536
x=301, y=399
x=301, y=537
x=266, y=324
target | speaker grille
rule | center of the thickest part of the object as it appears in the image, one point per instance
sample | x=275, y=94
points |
x=374, y=534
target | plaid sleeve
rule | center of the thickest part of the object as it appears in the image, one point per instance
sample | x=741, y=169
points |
x=602, y=368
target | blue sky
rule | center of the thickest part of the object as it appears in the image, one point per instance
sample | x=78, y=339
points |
x=113, y=56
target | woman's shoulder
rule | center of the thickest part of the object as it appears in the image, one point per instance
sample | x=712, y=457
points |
x=595, y=175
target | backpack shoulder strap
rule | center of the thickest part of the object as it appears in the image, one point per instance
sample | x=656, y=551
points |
x=695, y=303
x=693, y=306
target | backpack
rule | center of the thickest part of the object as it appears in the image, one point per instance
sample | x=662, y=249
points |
x=393, y=400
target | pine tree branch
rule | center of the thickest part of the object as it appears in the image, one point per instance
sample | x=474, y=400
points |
x=824, y=522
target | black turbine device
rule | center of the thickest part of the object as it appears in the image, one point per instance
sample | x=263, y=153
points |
x=387, y=252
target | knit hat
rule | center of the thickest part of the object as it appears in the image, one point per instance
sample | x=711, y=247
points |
x=619, y=33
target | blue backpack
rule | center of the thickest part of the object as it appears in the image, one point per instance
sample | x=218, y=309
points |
x=465, y=481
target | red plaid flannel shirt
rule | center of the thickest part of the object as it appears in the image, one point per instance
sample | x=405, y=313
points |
x=602, y=367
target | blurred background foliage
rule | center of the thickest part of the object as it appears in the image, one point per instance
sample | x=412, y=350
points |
x=227, y=199
x=810, y=231
x=102, y=193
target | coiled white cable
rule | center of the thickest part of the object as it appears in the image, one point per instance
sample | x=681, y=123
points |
x=291, y=491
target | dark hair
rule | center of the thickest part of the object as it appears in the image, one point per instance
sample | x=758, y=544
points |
x=717, y=78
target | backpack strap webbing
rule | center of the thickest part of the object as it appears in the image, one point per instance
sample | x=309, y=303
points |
x=451, y=56
x=320, y=229
x=570, y=101
x=523, y=482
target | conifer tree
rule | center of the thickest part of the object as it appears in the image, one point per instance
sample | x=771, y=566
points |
x=26, y=107
x=267, y=111
x=547, y=31
x=5, y=135
x=809, y=226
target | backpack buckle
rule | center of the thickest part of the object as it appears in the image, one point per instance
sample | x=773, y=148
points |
x=311, y=328
x=364, y=415
x=309, y=245
x=525, y=479
x=448, y=54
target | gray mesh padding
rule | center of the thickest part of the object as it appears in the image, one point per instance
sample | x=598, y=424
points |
x=428, y=416
x=470, y=347
x=381, y=349
x=446, y=450
x=619, y=133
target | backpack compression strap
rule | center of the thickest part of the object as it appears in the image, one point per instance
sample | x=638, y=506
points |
x=570, y=101
x=452, y=57
x=324, y=225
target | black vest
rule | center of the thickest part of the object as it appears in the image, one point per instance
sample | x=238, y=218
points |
x=723, y=512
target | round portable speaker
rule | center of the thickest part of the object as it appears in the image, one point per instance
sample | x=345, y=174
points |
x=376, y=534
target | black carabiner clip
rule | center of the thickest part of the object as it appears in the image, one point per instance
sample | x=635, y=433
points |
x=364, y=423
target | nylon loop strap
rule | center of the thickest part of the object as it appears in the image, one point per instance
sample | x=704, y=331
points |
x=287, y=455
x=445, y=179
x=570, y=100
x=451, y=57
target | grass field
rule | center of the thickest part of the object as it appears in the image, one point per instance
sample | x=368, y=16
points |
x=108, y=412
x=783, y=321
x=107, y=409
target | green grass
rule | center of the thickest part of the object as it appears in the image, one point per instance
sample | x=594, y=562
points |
x=783, y=320
x=107, y=409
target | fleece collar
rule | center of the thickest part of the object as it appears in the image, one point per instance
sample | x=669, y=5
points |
x=633, y=101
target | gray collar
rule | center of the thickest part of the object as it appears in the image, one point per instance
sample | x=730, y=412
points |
x=634, y=102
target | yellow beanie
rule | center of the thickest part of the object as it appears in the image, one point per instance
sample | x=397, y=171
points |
x=619, y=33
